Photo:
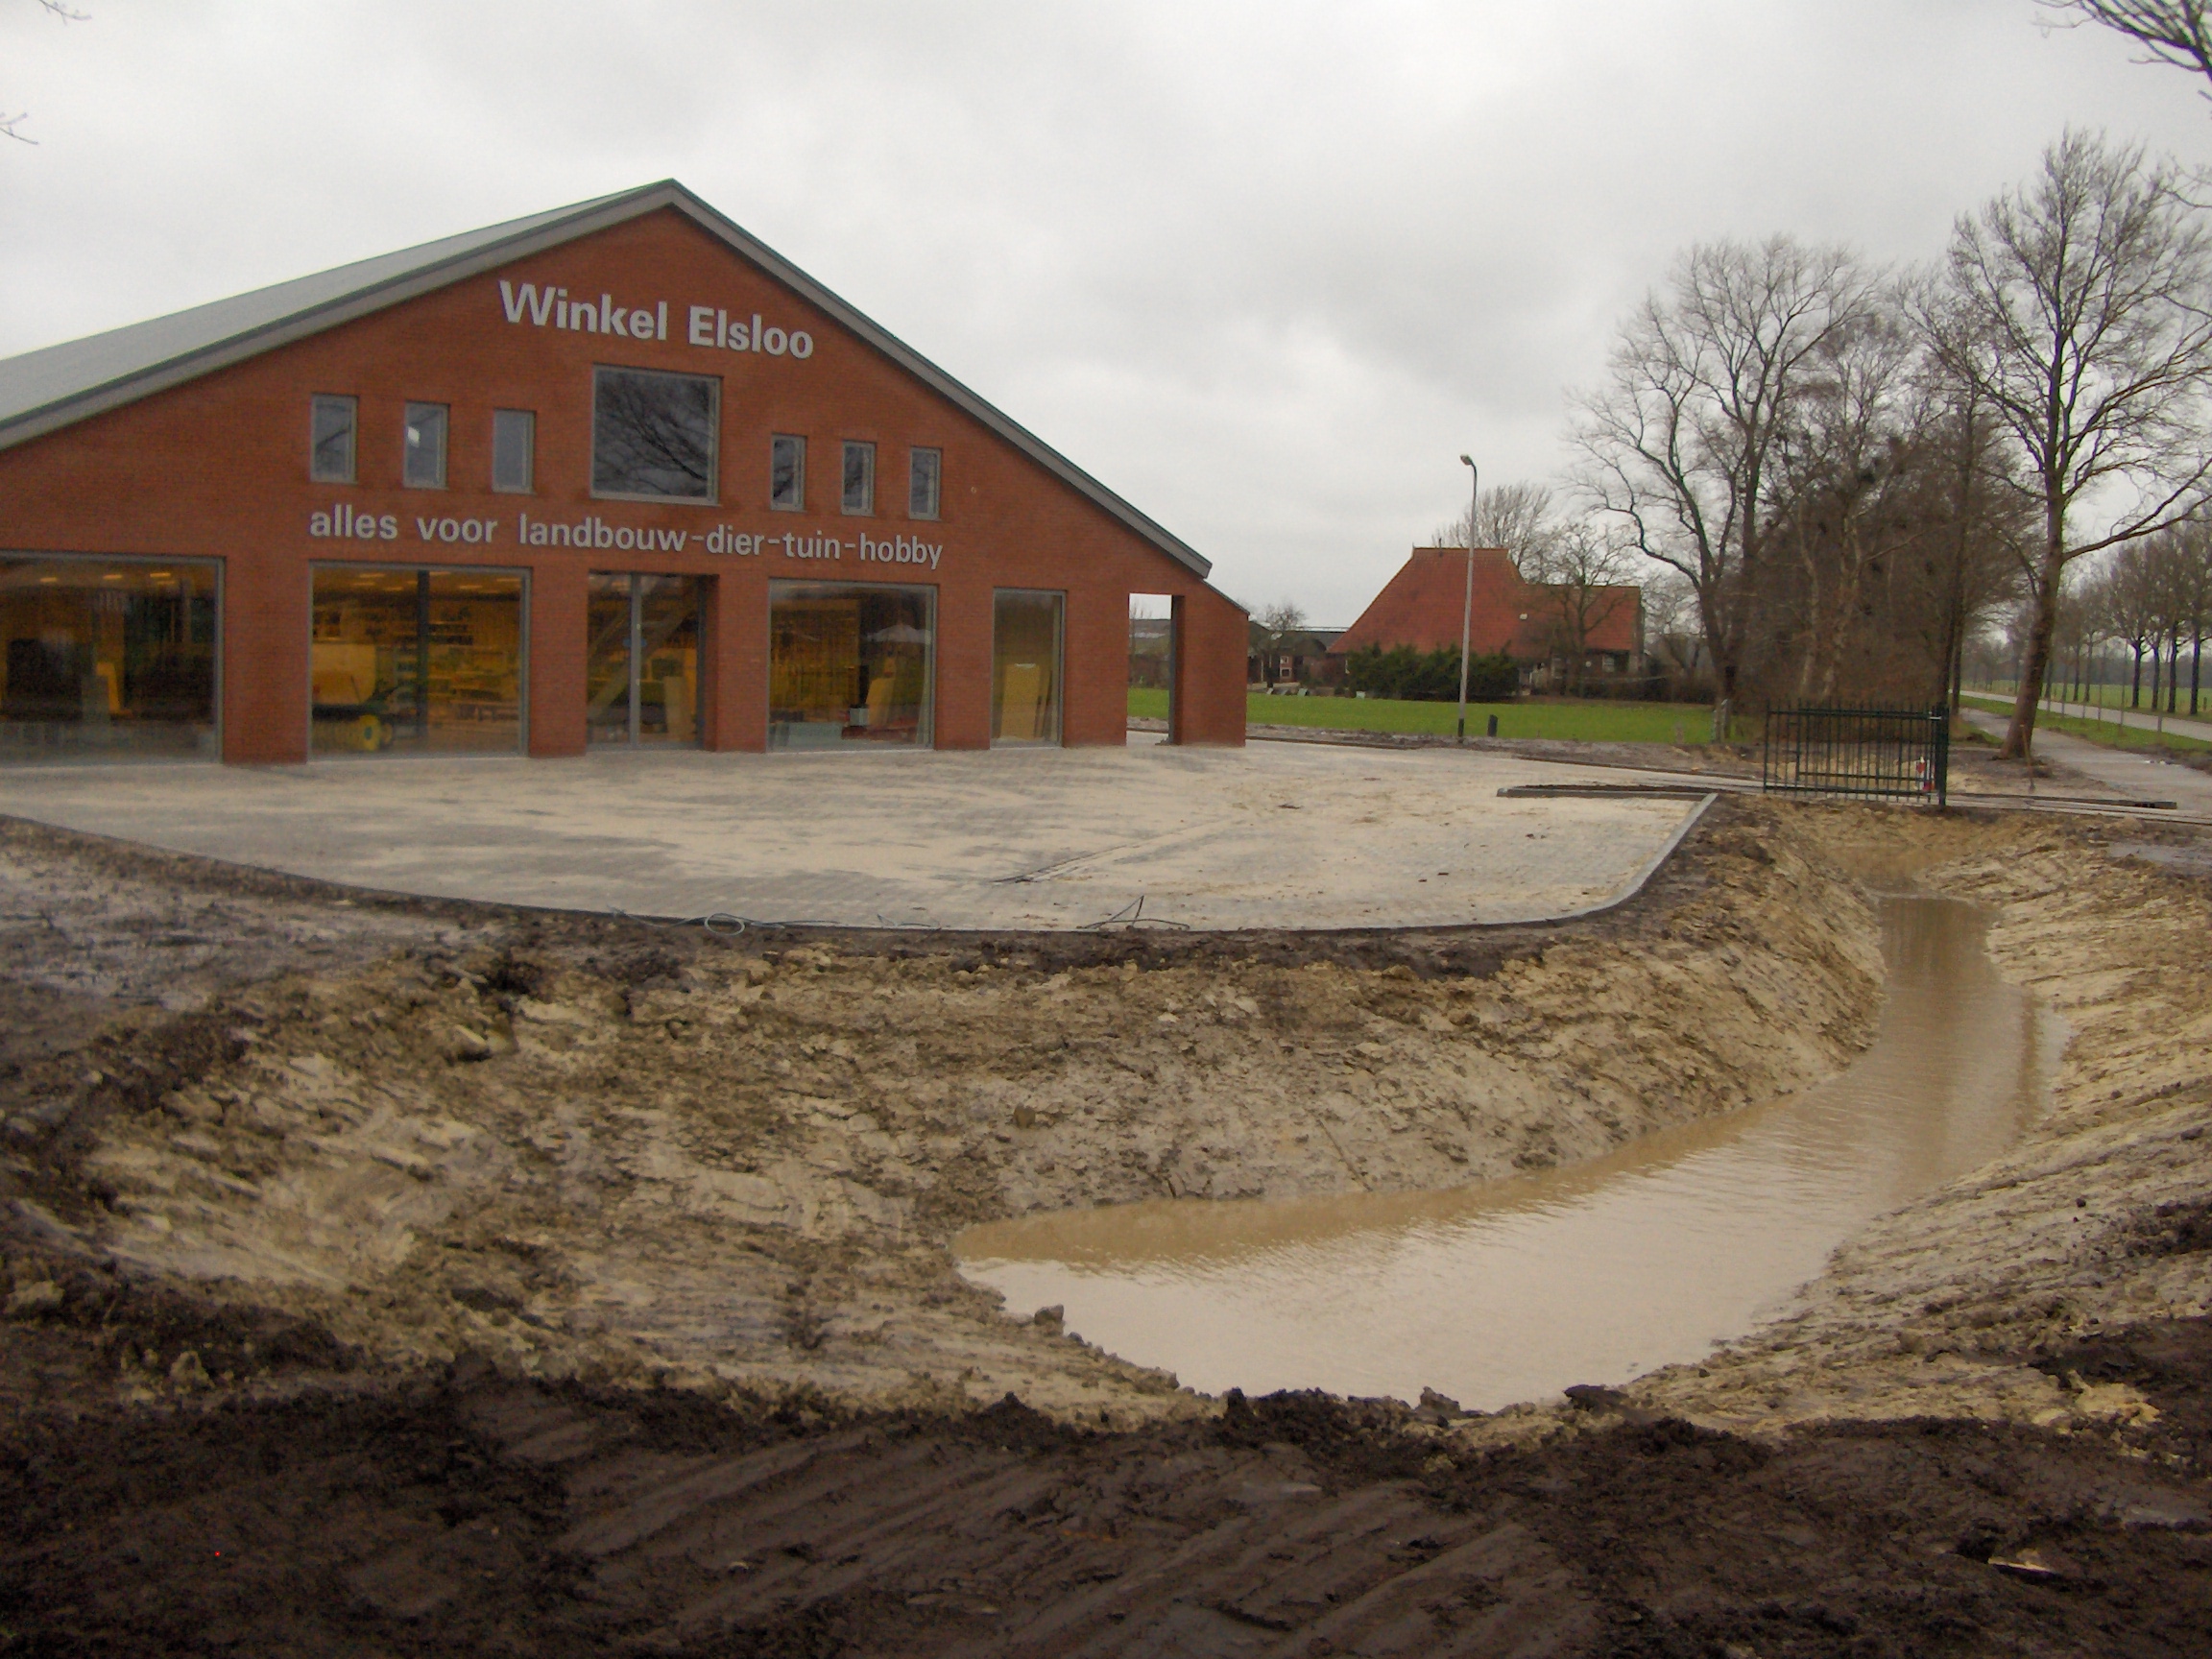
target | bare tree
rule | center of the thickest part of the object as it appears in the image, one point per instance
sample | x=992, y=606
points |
x=1582, y=580
x=1515, y=517
x=1681, y=440
x=1845, y=462
x=2130, y=602
x=11, y=125
x=2076, y=309
x=1969, y=561
x=1275, y=624
x=2174, y=32
x=2194, y=580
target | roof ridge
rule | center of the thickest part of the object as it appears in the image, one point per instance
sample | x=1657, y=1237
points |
x=51, y=387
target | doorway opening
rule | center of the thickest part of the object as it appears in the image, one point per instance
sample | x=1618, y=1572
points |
x=1155, y=662
x=1027, y=630
x=641, y=664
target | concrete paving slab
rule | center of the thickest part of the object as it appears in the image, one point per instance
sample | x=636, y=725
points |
x=1272, y=835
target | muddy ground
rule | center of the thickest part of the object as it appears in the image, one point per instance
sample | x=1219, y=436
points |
x=392, y=1278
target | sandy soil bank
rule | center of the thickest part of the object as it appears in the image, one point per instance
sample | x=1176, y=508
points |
x=598, y=1161
x=2098, y=1221
x=583, y=1147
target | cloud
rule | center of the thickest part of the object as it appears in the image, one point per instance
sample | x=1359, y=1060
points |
x=1266, y=269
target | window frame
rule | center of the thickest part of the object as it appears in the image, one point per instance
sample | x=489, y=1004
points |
x=936, y=456
x=798, y=501
x=866, y=450
x=529, y=484
x=407, y=425
x=316, y=404
x=713, y=495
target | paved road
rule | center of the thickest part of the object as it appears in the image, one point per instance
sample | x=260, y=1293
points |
x=2126, y=772
x=1271, y=836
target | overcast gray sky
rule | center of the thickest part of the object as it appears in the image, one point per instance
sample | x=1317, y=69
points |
x=1266, y=269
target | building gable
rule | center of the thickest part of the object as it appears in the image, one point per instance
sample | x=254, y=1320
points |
x=43, y=392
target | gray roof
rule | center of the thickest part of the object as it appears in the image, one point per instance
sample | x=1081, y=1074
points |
x=44, y=391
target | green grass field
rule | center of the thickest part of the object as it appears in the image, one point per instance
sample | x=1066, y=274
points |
x=1571, y=718
x=2096, y=731
x=2113, y=697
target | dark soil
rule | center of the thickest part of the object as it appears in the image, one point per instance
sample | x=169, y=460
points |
x=476, y=1514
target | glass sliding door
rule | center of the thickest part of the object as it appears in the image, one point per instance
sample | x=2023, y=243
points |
x=1026, y=635
x=641, y=663
x=849, y=663
x=107, y=658
x=607, y=660
x=416, y=661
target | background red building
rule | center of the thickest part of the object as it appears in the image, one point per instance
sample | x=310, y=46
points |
x=1542, y=627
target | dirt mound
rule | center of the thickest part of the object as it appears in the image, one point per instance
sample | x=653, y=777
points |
x=596, y=1148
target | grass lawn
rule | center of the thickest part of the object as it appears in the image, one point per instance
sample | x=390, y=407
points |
x=2096, y=731
x=1586, y=721
x=2114, y=697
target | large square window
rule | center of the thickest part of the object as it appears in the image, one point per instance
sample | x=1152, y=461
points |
x=514, y=451
x=654, y=436
x=422, y=465
x=858, y=494
x=787, y=473
x=330, y=439
x=850, y=664
x=924, y=476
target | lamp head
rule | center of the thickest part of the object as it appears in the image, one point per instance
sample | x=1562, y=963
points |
x=1469, y=460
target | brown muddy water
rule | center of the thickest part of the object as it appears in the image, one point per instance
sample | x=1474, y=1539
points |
x=1514, y=1290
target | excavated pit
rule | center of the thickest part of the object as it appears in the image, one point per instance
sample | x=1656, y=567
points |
x=409, y=1277
x=1592, y=1274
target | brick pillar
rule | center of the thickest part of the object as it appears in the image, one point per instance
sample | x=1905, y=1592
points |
x=265, y=677
x=733, y=649
x=559, y=626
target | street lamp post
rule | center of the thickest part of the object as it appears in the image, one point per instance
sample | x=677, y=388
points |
x=1467, y=604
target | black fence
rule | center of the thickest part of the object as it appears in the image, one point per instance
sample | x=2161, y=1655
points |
x=1883, y=754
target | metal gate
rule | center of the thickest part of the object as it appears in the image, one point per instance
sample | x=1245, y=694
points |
x=1881, y=753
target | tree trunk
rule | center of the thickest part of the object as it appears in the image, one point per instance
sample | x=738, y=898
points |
x=2020, y=737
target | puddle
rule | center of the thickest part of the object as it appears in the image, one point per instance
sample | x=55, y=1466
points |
x=1596, y=1274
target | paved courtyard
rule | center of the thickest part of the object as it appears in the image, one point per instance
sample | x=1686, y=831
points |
x=1273, y=835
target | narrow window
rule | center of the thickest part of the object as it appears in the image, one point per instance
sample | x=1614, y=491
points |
x=424, y=465
x=925, y=469
x=654, y=434
x=787, y=473
x=331, y=444
x=514, y=451
x=859, y=493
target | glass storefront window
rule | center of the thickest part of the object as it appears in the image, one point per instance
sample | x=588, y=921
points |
x=1026, y=635
x=416, y=661
x=642, y=660
x=849, y=663
x=105, y=659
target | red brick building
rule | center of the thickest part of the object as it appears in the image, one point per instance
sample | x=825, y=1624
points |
x=617, y=473
x=1422, y=606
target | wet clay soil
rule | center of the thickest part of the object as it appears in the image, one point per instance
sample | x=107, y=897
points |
x=2019, y=1391
x=1593, y=1273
